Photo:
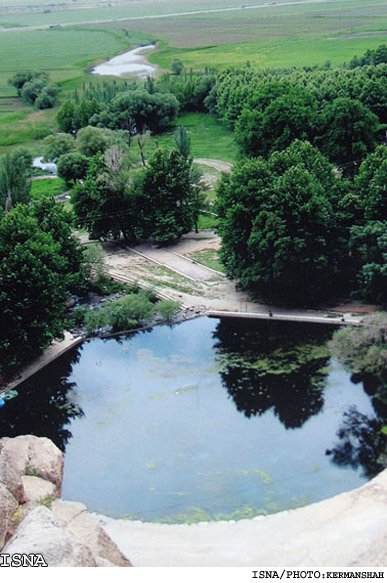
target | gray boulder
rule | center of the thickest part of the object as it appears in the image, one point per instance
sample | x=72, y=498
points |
x=29, y=455
x=37, y=490
x=8, y=514
x=80, y=523
x=42, y=533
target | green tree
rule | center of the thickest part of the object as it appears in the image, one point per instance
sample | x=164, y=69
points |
x=280, y=233
x=32, y=89
x=368, y=247
x=348, y=131
x=182, y=142
x=177, y=67
x=138, y=111
x=19, y=79
x=91, y=140
x=84, y=111
x=371, y=185
x=273, y=126
x=167, y=200
x=57, y=144
x=15, y=170
x=72, y=167
x=65, y=117
x=374, y=96
x=57, y=222
x=47, y=98
x=106, y=203
x=32, y=294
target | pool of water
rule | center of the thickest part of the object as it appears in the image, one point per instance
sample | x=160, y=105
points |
x=209, y=419
x=132, y=62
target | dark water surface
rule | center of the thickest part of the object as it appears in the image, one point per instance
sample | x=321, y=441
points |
x=208, y=419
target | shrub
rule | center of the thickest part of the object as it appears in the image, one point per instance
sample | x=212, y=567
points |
x=363, y=349
x=120, y=315
x=167, y=309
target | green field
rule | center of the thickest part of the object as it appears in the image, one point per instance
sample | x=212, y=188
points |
x=36, y=12
x=273, y=35
x=267, y=35
x=67, y=55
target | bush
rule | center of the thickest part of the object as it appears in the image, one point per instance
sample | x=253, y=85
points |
x=167, y=309
x=55, y=145
x=95, y=320
x=363, y=349
x=45, y=100
x=120, y=315
x=77, y=316
x=37, y=90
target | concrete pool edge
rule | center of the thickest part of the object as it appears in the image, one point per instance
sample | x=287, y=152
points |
x=347, y=530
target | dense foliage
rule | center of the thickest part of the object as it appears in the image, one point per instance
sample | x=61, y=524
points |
x=290, y=232
x=281, y=227
x=363, y=350
x=39, y=264
x=156, y=201
x=130, y=311
x=332, y=109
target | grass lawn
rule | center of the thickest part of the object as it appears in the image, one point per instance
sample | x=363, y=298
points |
x=209, y=258
x=285, y=52
x=64, y=53
x=207, y=222
x=43, y=12
x=25, y=126
x=47, y=188
x=209, y=139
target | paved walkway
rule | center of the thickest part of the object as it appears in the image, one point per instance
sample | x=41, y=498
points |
x=292, y=316
x=177, y=262
x=57, y=348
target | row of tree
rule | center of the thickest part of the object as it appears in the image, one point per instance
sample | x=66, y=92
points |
x=296, y=229
x=134, y=110
x=345, y=130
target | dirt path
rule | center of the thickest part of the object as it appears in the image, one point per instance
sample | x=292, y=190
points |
x=217, y=164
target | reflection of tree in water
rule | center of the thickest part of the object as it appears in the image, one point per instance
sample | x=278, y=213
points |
x=362, y=443
x=273, y=365
x=44, y=405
